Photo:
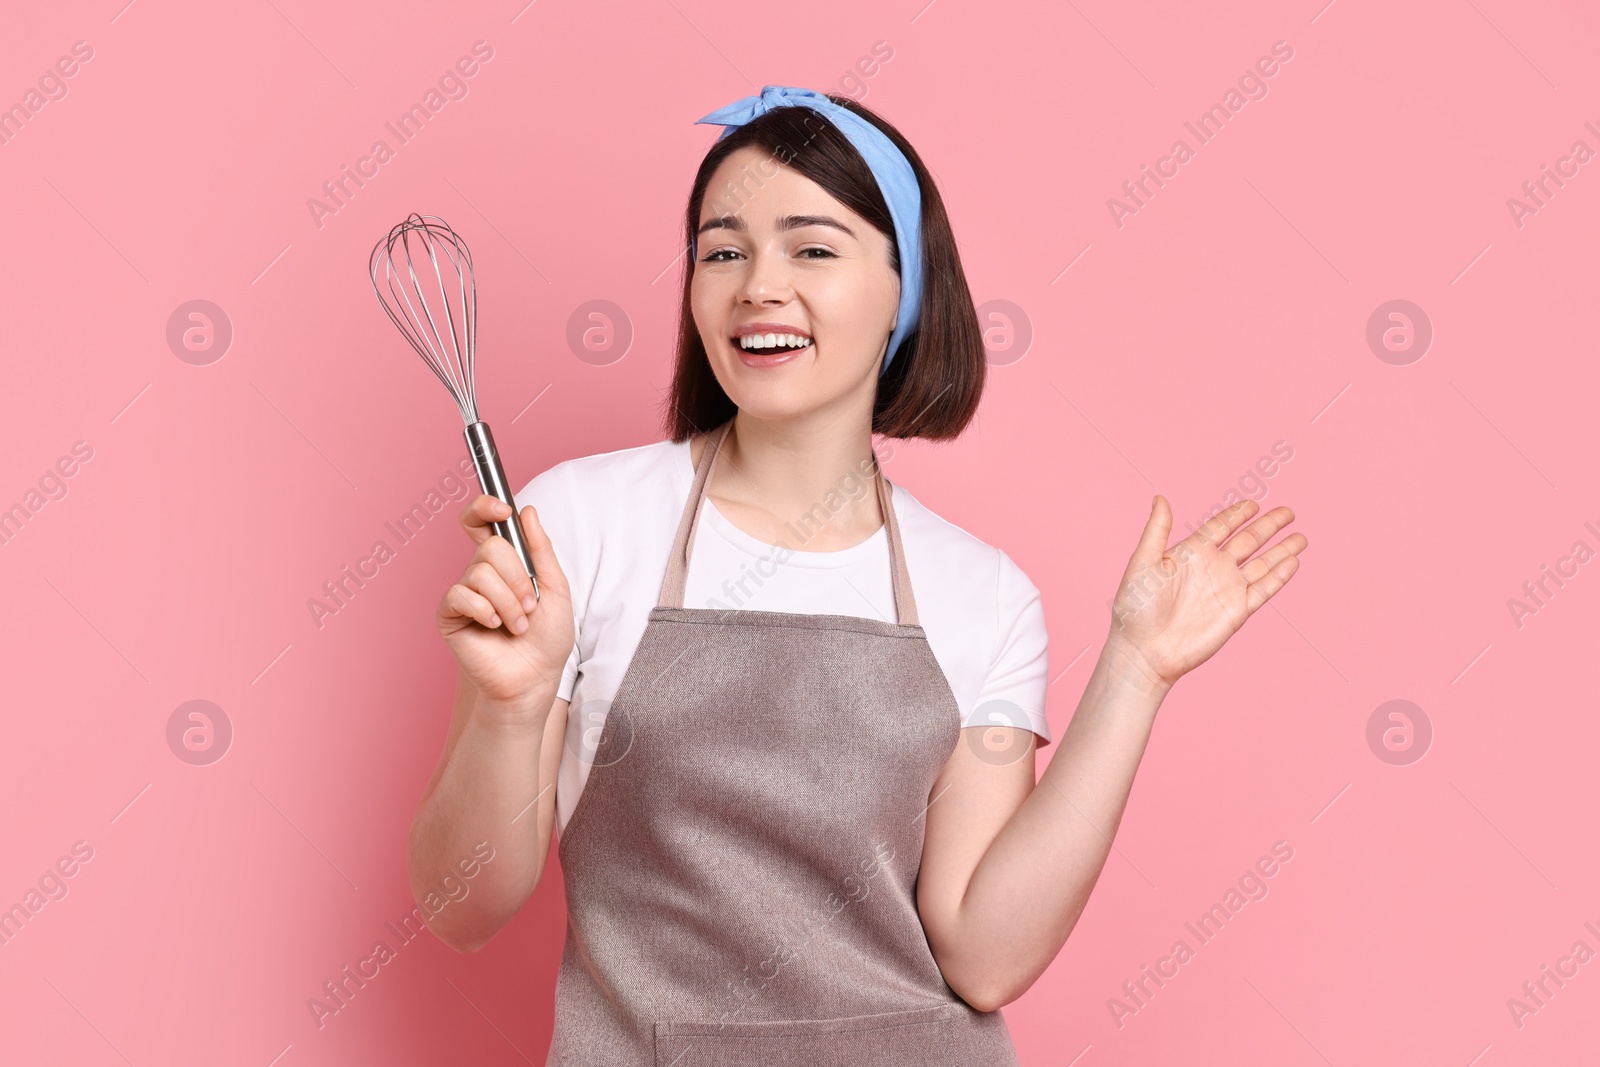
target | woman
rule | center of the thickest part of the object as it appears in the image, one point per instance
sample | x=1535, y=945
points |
x=794, y=788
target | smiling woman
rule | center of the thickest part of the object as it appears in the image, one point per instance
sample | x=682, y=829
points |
x=931, y=379
x=819, y=804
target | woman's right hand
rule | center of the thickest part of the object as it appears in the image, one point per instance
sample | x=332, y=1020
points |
x=508, y=668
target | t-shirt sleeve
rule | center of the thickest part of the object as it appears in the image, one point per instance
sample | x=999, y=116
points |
x=1013, y=692
x=551, y=495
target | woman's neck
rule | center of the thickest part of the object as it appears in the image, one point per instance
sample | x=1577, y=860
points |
x=810, y=487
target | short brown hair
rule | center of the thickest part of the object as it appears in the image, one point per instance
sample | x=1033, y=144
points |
x=935, y=380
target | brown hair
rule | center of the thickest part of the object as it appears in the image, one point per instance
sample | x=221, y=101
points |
x=935, y=380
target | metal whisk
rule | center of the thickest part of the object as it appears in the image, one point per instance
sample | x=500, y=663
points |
x=428, y=292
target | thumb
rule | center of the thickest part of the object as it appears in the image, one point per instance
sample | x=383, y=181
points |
x=1153, y=542
x=543, y=553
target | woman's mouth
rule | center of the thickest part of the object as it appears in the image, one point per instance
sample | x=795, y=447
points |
x=769, y=350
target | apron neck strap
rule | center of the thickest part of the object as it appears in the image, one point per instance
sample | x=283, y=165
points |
x=672, y=585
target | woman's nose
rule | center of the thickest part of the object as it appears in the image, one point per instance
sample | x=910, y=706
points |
x=766, y=280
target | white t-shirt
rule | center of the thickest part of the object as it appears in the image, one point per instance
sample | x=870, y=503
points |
x=612, y=518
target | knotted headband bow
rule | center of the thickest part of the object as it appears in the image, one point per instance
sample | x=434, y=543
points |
x=889, y=166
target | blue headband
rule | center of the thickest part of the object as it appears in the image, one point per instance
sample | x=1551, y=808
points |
x=889, y=166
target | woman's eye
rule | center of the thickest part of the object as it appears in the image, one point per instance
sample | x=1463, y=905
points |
x=719, y=255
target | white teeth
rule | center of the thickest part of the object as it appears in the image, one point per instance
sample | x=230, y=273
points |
x=773, y=340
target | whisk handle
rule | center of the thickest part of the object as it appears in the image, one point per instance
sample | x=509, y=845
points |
x=492, y=477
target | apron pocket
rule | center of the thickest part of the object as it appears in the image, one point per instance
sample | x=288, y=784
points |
x=945, y=1035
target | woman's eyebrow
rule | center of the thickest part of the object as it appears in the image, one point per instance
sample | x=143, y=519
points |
x=788, y=222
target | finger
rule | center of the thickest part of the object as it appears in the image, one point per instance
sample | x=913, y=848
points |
x=1242, y=545
x=1289, y=546
x=1157, y=528
x=479, y=515
x=459, y=601
x=485, y=578
x=1216, y=529
x=502, y=555
x=1258, y=593
x=542, y=551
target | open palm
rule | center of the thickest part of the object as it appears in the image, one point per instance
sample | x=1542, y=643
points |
x=1176, y=606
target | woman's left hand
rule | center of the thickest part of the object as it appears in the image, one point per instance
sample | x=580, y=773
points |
x=1177, y=606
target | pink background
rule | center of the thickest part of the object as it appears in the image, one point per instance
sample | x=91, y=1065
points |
x=1168, y=354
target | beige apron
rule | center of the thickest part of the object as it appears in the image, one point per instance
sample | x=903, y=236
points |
x=741, y=865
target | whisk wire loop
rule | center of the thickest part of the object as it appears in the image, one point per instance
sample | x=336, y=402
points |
x=449, y=352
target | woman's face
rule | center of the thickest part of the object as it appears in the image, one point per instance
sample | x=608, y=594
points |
x=774, y=248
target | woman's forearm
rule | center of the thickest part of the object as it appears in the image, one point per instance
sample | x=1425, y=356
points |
x=485, y=792
x=1027, y=892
